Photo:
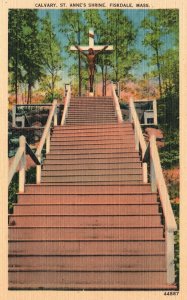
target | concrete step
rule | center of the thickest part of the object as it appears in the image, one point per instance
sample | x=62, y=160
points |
x=153, y=279
x=83, y=220
x=123, y=126
x=92, y=139
x=87, y=247
x=97, y=147
x=117, y=189
x=85, y=179
x=88, y=172
x=102, y=98
x=59, y=233
x=90, y=183
x=87, y=209
x=94, y=144
x=87, y=122
x=86, y=117
x=96, y=110
x=147, y=198
x=78, y=165
x=96, y=151
x=92, y=105
x=92, y=135
x=92, y=159
x=87, y=263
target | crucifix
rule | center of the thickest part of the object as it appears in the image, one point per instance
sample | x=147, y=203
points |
x=93, y=51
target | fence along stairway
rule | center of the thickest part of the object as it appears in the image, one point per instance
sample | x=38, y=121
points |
x=81, y=233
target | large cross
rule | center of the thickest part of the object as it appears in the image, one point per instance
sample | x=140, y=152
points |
x=91, y=44
x=90, y=56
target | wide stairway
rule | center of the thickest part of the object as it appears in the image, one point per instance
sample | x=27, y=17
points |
x=91, y=223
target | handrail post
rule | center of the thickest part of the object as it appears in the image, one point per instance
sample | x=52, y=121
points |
x=22, y=144
x=116, y=103
x=66, y=106
x=48, y=142
x=152, y=168
x=55, y=117
x=130, y=115
x=136, y=140
x=153, y=177
x=38, y=171
x=145, y=175
x=170, y=256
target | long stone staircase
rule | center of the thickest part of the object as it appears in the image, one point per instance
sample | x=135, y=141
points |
x=92, y=223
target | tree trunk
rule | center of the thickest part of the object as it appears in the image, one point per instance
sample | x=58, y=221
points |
x=29, y=94
x=80, y=77
x=16, y=63
x=52, y=86
x=105, y=79
x=159, y=73
x=103, y=82
x=79, y=59
x=116, y=47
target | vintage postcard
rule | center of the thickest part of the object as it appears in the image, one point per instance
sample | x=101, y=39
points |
x=93, y=149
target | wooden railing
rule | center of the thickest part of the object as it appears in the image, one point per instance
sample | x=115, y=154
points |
x=116, y=104
x=150, y=155
x=20, y=157
x=140, y=143
x=158, y=183
x=46, y=139
x=66, y=106
x=20, y=160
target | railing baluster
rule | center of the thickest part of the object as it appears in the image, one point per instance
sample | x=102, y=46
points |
x=117, y=106
x=38, y=171
x=139, y=138
x=66, y=106
x=55, y=117
x=48, y=142
x=170, y=256
x=136, y=140
x=22, y=144
x=157, y=181
x=153, y=177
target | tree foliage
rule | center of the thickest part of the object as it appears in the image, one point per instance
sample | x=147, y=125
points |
x=161, y=37
x=34, y=52
x=51, y=58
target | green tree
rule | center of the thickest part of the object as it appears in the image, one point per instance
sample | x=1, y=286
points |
x=51, y=58
x=32, y=51
x=122, y=34
x=24, y=49
x=71, y=26
x=15, y=44
x=161, y=26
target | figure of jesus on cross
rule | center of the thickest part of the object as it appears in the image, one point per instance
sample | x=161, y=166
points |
x=93, y=51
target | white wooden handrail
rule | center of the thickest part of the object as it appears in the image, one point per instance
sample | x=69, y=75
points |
x=116, y=104
x=46, y=138
x=66, y=106
x=20, y=157
x=158, y=182
x=20, y=160
x=139, y=138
